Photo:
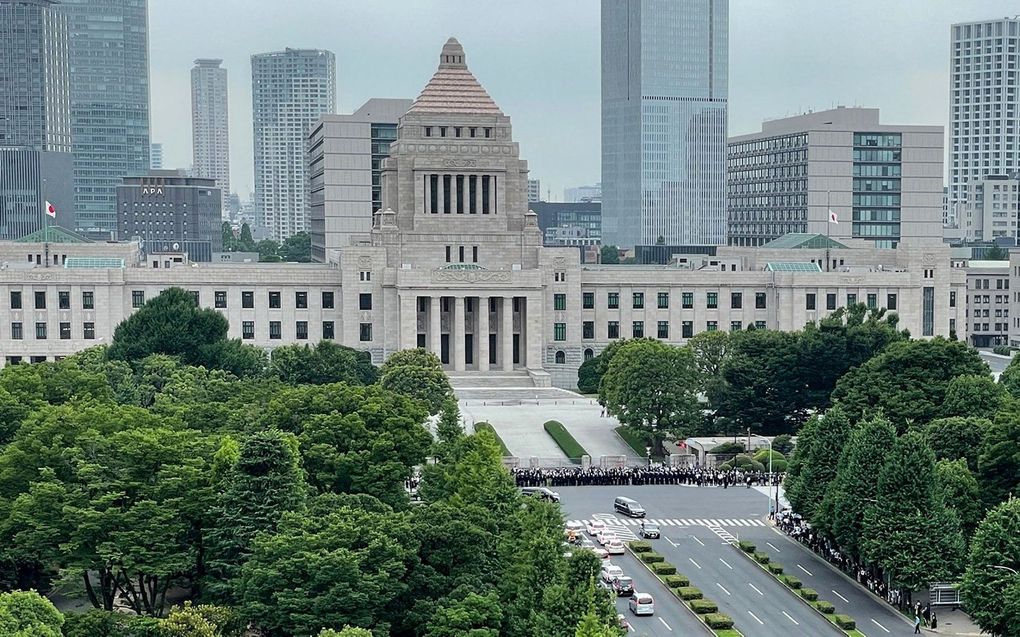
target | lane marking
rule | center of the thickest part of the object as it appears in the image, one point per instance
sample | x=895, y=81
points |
x=774, y=547
x=671, y=541
x=722, y=588
x=797, y=623
x=665, y=624
x=840, y=596
x=879, y=625
x=695, y=537
x=805, y=570
x=631, y=628
x=726, y=563
x=693, y=562
x=756, y=589
x=756, y=618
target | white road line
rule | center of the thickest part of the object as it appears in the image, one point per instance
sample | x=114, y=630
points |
x=791, y=618
x=674, y=544
x=693, y=562
x=631, y=628
x=879, y=625
x=722, y=588
x=725, y=562
x=773, y=547
x=805, y=570
x=695, y=538
x=756, y=618
x=840, y=596
x=756, y=589
x=665, y=624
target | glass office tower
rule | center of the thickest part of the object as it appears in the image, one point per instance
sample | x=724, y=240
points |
x=664, y=91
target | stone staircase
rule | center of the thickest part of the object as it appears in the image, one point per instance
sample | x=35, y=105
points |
x=491, y=379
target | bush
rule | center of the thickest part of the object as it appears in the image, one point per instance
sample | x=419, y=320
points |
x=484, y=426
x=728, y=447
x=726, y=466
x=663, y=568
x=791, y=580
x=566, y=442
x=762, y=456
x=775, y=568
x=747, y=547
x=761, y=558
x=1003, y=350
x=783, y=443
x=825, y=607
x=652, y=558
x=688, y=593
x=742, y=460
x=780, y=466
x=809, y=594
x=845, y=622
x=676, y=581
x=718, y=620
x=703, y=606
x=640, y=547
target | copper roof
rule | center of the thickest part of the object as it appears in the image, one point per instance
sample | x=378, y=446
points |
x=453, y=89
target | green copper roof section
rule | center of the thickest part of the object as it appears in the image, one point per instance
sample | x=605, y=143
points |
x=83, y=263
x=791, y=266
x=462, y=266
x=799, y=240
x=53, y=234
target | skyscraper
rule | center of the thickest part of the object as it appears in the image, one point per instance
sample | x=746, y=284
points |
x=534, y=190
x=984, y=105
x=210, y=134
x=156, y=156
x=109, y=59
x=664, y=91
x=291, y=89
x=35, y=125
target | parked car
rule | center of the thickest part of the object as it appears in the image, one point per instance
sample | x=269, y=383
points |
x=649, y=531
x=594, y=527
x=542, y=493
x=641, y=604
x=615, y=547
x=623, y=586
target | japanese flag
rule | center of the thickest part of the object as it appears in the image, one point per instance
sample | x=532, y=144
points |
x=51, y=210
x=832, y=217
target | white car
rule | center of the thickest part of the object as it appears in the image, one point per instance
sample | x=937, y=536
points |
x=641, y=604
x=597, y=550
x=606, y=536
x=615, y=547
x=609, y=573
x=594, y=527
x=575, y=527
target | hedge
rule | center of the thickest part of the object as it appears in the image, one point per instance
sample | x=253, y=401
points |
x=775, y=569
x=688, y=593
x=663, y=568
x=703, y=606
x=566, y=442
x=633, y=440
x=641, y=547
x=484, y=426
x=791, y=580
x=845, y=622
x=825, y=607
x=676, y=581
x=718, y=620
x=652, y=558
x=747, y=547
x=761, y=558
x=809, y=594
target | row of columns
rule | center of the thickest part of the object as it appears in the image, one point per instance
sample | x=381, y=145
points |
x=484, y=198
x=456, y=344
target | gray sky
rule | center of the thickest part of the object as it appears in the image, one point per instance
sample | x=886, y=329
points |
x=539, y=59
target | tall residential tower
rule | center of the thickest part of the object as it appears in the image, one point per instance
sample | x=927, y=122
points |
x=210, y=136
x=664, y=91
x=291, y=90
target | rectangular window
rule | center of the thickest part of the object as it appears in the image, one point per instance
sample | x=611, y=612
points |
x=365, y=275
x=365, y=301
x=65, y=331
x=274, y=300
x=890, y=302
x=327, y=330
x=928, y=312
x=809, y=301
x=872, y=301
x=639, y=300
x=40, y=331
x=15, y=300
x=760, y=301
x=64, y=301
x=588, y=300
x=194, y=296
x=830, y=301
x=474, y=254
x=247, y=300
x=247, y=330
x=16, y=333
x=448, y=254
x=613, y=329
x=220, y=299
x=687, y=300
x=137, y=298
x=559, y=302
x=759, y=325
x=662, y=329
x=736, y=300
x=301, y=330
x=275, y=330
x=712, y=326
x=301, y=300
x=614, y=300
x=952, y=299
x=851, y=299
x=89, y=331
x=327, y=300
x=40, y=300
x=687, y=329
x=712, y=300
x=365, y=332
x=637, y=329
x=736, y=326
x=460, y=251
x=588, y=329
x=663, y=300
x=559, y=331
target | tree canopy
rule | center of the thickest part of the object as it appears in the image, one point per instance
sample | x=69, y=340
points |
x=990, y=586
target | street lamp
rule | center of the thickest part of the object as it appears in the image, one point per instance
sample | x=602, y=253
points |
x=648, y=452
x=771, y=477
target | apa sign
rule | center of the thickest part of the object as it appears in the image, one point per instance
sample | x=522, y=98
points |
x=152, y=190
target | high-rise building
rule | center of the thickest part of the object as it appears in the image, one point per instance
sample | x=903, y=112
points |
x=109, y=56
x=345, y=154
x=990, y=212
x=155, y=156
x=291, y=90
x=583, y=193
x=210, y=133
x=534, y=190
x=171, y=212
x=984, y=103
x=883, y=182
x=35, y=125
x=664, y=91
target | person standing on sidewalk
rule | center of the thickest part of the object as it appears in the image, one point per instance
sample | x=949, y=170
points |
x=917, y=624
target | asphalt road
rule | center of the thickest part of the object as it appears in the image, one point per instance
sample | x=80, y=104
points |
x=997, y=363
x=670, y=619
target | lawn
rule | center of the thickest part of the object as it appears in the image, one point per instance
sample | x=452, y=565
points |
x=479, y=426
x=566, y=442
x=634, y=441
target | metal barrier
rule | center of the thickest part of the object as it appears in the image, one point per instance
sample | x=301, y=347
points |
x=944, y=594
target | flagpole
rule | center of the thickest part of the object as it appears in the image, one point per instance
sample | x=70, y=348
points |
x=46, y=235
x=828, y=222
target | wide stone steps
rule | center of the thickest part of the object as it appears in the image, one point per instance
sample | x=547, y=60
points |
x=490, y=379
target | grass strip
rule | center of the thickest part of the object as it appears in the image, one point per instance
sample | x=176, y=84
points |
x=484, y=426
x=566, y=442
x=634, y=441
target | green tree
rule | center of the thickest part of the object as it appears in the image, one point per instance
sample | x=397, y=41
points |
x=473, y=474
x=908, y=531
x=28, y=614
x=794, y=481
x=346, y=631
x=957, y=437
x=989, y=590
x=610, y=255
x=417, y=373
x=819, y=466
x=297, y=247
x=245, y=242
x=591, y=626
x=959, y=490
x=1010, y=378
x=325, y=363
x=449, y=429
x=269, y=251
x=199, y=621
x=783, y=443
x=996, y=253
x=973, y=396
x=227, y=237
x=650, y=387
x=998, y=463
x=709, y=350
x=472, y=615
x=590, y=373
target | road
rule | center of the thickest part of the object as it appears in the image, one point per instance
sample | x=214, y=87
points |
x=670, y=619
x=997, y=363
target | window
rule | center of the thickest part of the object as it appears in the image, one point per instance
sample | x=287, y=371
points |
x=474, y=254
x=760, y=301
x=137, y=298
x=872, y=301
x=561, y=357
x=759, y=325
x=890, y=302
x=952, y=299
x=713, y=300
x=194, y=296
x=589, y=354
x=613, y=329
x=301, y=330
x=274, y=300
x=40, y=300
x=662, y=329
x=16, y=333
x=559, y=331
x=928, y=312
x=588, y=329
x=460, y=251
x=301, y=300
x=687, y=300
x=830, y=301
x=614, y=300
x=365, y=275
x=637, y=329
x=64, y=301
x=736, y=300
x=248, y=330
x=447, y=254
x=663, y=300
x=687, y=329
x=712, y=326
x=220, y=299
x=89, y=331
x=40, y=331
x=736, y=326
x=588, y=300
x=327, y=300
x=65, y=331
x=851, y=299
x=275, y=330
x=328, y=330
x=559, y=302
x=809, y=301
x=247, y=300
x=15, y=300
x=365, y=332
x=88, y=300
x=639, y=300
x=365, y=301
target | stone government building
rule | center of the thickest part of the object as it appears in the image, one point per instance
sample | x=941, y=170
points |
x=455, y=263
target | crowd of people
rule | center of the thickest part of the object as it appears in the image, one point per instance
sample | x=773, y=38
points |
x=655, y=474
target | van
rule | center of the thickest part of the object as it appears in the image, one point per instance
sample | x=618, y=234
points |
x=641, y=604
x=629, y=507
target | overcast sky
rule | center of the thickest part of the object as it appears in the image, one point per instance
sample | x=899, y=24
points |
x=539, y=59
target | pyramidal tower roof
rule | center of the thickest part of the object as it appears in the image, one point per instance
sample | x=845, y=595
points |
x=453, y=89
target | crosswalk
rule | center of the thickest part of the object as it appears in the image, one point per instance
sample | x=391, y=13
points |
x=667, y=522
x=723, y=534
